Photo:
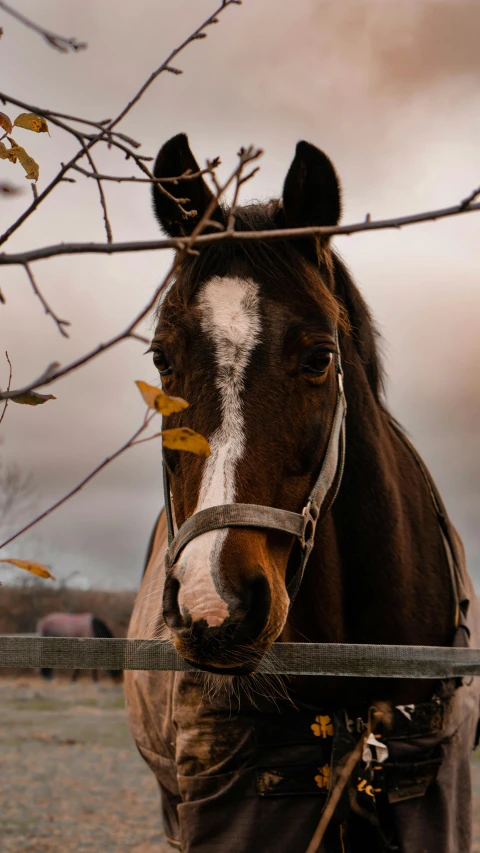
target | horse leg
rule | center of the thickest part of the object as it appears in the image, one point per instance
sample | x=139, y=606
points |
x=74, y=675
x=46, y=673
x=94, y=675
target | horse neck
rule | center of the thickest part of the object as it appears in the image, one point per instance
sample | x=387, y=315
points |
x=378, y=572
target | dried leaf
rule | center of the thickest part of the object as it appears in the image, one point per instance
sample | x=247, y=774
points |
x=148, y=392
x=155, y=398
x=32, y=398
x=168, y=405
x=7, y=154
x=30, y=566
x=184, y=438
x=6, y=123
x=30, y=121
x=17, y=152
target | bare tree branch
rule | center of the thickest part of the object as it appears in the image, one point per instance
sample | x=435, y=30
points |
x=187, y=176
x=165, y=66
x=55, y=117
x=230, y=236
x=54, y=372
x=130, y=443
x=59, y=323
x=61, y=43
x=8, y=386
x=107, y=130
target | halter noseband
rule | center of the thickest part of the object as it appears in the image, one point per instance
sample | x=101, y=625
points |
x=302, y=525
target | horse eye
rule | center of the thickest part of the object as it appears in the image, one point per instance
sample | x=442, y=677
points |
x=161, y=362
x=317, y=362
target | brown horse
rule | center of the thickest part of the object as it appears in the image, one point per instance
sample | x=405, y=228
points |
x=254, y=336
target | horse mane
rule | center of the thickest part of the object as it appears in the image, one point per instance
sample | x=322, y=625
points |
x=287, y=266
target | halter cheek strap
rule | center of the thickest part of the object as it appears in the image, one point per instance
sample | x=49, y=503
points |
x=301, y=525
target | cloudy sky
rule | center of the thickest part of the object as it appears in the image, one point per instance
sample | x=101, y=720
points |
x=390, y=91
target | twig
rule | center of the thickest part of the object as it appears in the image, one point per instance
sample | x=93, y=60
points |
x=238, y=183
x=466, y=203
x=59, y=42
x=51, y=375
x=344, y=775
x=131, y=441
x=59, y=323
x=165, y=66
x=337, y=792
x=55, y=117
x=187, y=176
x=233, y=236
x=107, y=130
x=103, y=201
x=8, y=386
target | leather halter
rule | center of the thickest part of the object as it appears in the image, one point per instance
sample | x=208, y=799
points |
x=302, y=525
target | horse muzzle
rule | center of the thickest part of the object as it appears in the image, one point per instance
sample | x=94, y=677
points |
x=237, y=643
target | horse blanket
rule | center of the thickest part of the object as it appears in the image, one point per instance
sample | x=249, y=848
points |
x=241, y=778
x=66, y=625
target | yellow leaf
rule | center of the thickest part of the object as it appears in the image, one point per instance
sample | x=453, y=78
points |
x=32, y=398
x=168, y=405
x=17, y=152
x=30, y=566
x=155, y=398
x=6, y=123
x=7, y=154
x=184, y=438
x=30, y=121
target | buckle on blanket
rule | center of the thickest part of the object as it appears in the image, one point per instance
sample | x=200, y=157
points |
x=402, y=781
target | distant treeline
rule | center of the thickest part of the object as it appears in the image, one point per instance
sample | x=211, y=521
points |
x=21, y=607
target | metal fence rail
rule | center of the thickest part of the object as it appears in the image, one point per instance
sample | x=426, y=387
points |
x=283, y=658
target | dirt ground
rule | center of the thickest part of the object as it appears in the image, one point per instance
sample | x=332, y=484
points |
x=72, y=781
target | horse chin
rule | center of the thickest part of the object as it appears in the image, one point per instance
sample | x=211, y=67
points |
x=243, y=669
x=223, y=665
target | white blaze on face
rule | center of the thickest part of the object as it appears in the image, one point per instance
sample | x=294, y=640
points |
x=230, y=317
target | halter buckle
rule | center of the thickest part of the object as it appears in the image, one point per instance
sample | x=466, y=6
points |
x=310, y=513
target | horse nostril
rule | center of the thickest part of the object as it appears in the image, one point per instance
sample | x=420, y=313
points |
x=171, y=610
x=256, y=617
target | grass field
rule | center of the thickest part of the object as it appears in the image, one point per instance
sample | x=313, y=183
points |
x=72, y=780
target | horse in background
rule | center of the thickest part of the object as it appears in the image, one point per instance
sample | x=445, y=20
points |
x=73, y=625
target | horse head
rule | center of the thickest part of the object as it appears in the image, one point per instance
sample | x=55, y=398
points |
x=248, y=334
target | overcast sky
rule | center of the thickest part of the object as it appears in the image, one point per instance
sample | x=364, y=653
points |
x=389, y=90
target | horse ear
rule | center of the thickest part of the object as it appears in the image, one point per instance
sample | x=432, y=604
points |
x=311, y=193
x=174, y=159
